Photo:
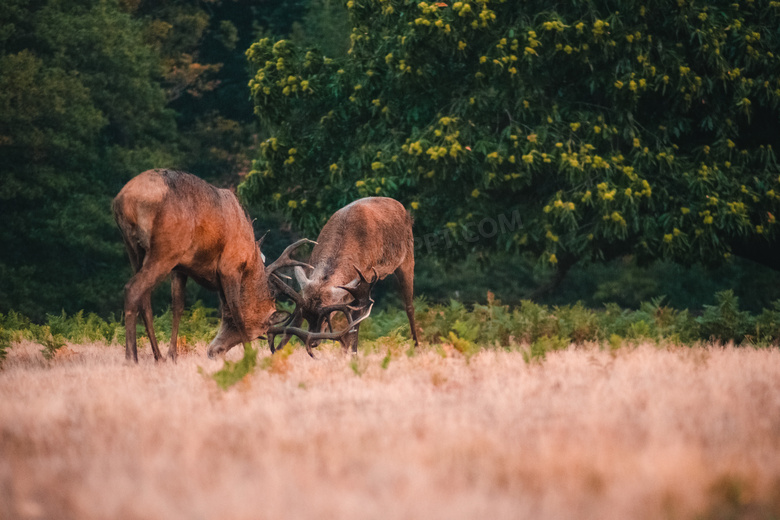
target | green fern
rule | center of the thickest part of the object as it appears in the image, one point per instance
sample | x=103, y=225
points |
x=233, y=372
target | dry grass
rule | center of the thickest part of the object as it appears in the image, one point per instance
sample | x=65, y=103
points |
x=641, y=433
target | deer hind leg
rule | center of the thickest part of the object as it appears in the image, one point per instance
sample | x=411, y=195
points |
x=138, y=298
x=146, y=314
x=178, y=282
x=405, y=275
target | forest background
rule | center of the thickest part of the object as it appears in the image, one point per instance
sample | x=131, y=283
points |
x=93, y=92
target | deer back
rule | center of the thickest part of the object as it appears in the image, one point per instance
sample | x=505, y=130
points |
x=179, y=215
x=370, y=233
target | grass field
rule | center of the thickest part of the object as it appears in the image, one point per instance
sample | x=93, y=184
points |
x=641, y=432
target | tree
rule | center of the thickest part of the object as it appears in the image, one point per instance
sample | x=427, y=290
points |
x=608, y=127
x=93, y=92
x=80, y=112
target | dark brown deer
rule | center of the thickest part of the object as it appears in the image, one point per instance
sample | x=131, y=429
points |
x=176, y=223
x=373, y=234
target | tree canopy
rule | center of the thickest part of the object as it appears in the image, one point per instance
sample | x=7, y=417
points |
x=80, y=111
x=609, y=127
x=93, y=92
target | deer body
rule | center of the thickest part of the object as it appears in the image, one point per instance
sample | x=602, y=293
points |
x=370, y=234
x=174, y=222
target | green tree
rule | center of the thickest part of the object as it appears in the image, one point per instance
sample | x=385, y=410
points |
x=609, y=127
x=81, y=110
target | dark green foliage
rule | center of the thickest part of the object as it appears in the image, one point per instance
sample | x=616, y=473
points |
x=80, y=112
x=51, y=342
x=498, y=325
x=93, y=92
x=725, y=321
x=623, y=281
x=608, y=127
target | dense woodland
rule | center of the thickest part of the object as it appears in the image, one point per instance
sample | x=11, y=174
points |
x=609, y=151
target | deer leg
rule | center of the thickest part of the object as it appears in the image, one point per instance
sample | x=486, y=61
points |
x=178, y=282
x=353, y=339
x=131, y=315
x=138, y=298
x=405, y=275
x=146, y=314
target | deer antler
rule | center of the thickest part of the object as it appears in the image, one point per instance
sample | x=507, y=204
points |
x=362, y=292
x=307, y=337
x=284, y=259
x=280, y=287
x=363, y=300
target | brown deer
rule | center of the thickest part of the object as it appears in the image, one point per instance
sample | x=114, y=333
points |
x=174, y=222
x=370, y=234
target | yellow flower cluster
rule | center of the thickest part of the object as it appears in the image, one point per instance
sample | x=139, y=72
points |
x=413, y=148
x=437, y=152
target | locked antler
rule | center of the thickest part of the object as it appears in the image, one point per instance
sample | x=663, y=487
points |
x=362, y=302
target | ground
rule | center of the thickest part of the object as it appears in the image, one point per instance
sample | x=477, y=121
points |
x=642, y=432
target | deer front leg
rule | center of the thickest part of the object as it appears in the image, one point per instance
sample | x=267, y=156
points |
x=178, y=283
x=351, y=337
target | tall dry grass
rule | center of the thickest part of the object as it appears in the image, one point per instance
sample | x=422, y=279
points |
x=640, y=433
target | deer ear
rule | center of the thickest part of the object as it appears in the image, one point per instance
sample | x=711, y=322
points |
x=300, y=275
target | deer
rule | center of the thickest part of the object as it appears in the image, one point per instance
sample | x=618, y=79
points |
x=369, y=235
x=175, y=223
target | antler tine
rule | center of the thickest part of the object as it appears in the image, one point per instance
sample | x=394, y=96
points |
x=343, y=307
x=284, y=259
x=360, y=274
x=352, y=290
x=282, y=287
x=262, y=238
x=362, y=293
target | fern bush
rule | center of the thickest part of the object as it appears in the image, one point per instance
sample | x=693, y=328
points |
x=533, y=328
x=5, y=344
